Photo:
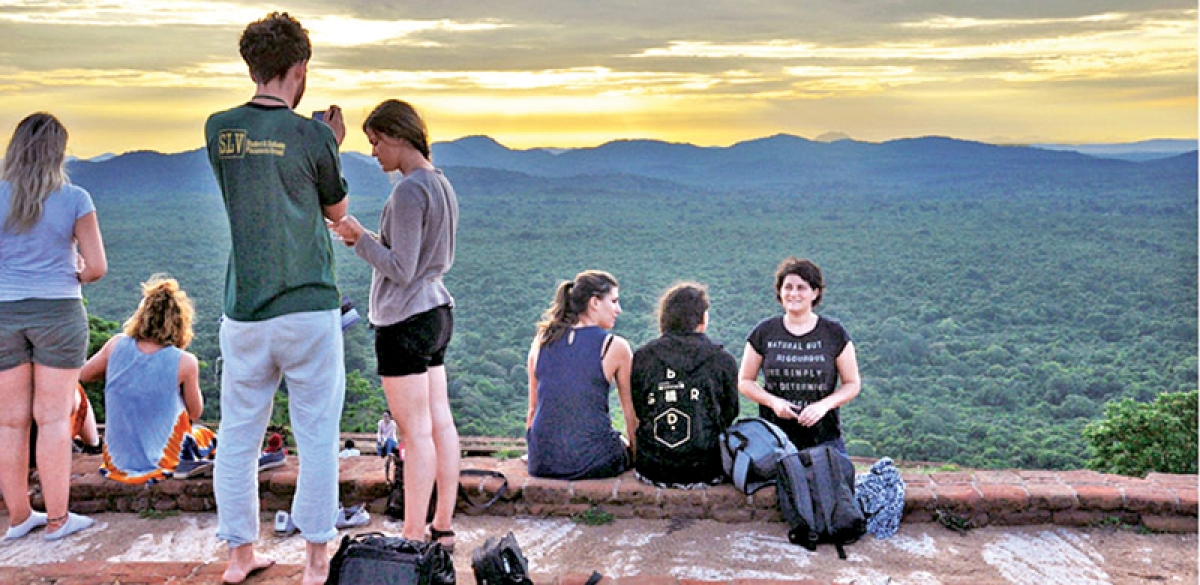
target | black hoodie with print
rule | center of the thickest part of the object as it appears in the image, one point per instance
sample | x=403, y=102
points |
x=684, y=389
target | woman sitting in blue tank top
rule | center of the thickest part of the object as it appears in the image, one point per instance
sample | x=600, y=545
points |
x=152, y=392
x=573, y=362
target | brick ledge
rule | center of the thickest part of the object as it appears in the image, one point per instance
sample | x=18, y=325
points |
x=1160, y=502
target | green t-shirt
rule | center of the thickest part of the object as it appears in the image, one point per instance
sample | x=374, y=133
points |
x=276, y=170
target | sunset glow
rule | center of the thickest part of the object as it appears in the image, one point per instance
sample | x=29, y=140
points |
x=127, y=74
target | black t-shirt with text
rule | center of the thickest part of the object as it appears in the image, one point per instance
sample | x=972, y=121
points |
x=801, y=369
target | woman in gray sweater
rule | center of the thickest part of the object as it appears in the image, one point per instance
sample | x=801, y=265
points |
x=410, y=309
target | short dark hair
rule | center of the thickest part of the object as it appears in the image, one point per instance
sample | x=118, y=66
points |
x=349, y=443
x=681, y=309
x=806, y=270
x=273, y=45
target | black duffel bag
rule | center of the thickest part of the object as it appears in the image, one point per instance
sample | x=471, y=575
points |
x=375, y=559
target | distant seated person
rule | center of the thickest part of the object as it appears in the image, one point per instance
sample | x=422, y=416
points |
x=274, y=454
x=348, y=450
x=152, y=392
x=573, y=363
x=385, y=435
x=685, y=394
x=83, y=428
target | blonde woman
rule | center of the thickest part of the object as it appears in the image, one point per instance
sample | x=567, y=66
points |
x=50, y=244
x=152, y=392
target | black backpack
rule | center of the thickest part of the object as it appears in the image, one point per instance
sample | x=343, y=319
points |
x=816, y=494
x=751, y=450
x=498, y=561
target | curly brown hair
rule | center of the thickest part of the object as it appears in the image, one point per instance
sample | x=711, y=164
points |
x=165, y=314
x=272, y=45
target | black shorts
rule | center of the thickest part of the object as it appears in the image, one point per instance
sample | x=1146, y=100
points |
x=415, y=344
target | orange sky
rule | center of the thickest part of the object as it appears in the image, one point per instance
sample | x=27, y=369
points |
x=144, y=74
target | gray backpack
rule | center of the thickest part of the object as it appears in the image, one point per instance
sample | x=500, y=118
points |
x=751, y=450
x=816, y=495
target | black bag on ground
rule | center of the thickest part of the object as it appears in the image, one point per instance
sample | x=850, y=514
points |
x=816, y=494
x=394, y=472
x=498, y=561
x=750, y=452
x=375, y=559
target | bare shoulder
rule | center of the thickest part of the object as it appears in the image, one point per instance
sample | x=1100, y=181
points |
x=619, y=348
x=188, y=362
x=621, y=344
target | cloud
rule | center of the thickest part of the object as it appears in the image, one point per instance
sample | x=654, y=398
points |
x=575, y=71
x=126, y=13
x=1107, y=45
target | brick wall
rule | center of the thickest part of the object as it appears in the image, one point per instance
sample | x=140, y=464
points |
x=1160, y=502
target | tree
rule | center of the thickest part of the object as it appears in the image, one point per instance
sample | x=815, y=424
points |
x=1136, y=438
x=99, y=332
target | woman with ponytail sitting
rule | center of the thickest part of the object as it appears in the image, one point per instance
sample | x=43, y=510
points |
x=572, y=364
x=152, y=392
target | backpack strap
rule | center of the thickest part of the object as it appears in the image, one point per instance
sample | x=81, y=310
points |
x=607, y=344
x=742, y=462
x=735, y=440
x=823, y=480
x=793, y=482
x=485, y=473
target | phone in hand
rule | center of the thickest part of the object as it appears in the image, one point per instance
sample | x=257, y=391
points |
x=319, y=115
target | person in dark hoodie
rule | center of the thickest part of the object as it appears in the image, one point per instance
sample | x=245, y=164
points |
x=685, y=394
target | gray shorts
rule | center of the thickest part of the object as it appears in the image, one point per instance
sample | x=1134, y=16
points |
x=48, y=332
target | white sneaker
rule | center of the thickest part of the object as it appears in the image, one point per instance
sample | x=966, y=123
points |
x=283, y=523
x=352, y=517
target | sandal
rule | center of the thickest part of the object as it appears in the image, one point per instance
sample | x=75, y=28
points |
x=436, y=535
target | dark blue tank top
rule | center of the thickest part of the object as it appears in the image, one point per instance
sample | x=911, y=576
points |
x=572, y=436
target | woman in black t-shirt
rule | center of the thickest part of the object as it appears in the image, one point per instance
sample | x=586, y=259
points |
x=802, y=357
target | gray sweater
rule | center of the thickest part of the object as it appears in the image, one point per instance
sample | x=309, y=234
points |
x=414, y=249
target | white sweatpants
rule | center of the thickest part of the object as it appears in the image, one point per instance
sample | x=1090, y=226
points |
x=306, y=350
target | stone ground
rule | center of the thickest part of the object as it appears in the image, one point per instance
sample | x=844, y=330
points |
x=921, y=553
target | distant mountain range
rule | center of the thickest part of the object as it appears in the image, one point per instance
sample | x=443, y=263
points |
x=778, y=160
x=1134, y=151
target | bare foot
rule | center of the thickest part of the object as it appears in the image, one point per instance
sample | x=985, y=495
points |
x=316, y=563
x=315, y=576
x=243, y=562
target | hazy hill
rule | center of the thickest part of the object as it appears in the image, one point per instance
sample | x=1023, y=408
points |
x=774, y=160
x=779, y=159
x=1133, y=151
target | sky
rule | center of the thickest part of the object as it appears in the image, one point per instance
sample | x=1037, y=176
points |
x=144, y=74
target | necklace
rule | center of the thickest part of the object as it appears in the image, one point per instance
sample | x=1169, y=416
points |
x=274, y=98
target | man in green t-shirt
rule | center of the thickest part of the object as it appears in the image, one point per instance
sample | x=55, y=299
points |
x=281, y=179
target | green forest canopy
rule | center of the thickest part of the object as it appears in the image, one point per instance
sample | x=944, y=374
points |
x=994, y=316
